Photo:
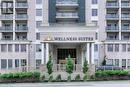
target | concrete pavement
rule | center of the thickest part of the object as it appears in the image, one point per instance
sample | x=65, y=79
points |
x=72, y=84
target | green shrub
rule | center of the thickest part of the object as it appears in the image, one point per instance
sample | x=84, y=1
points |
x=78, y=78
x=85, y=78
x=43, y=77
x=36, y=75
x=107, y=73
x=85, y=66
x=69, y=65
x=49, y=66
x=16, y=75
x=69, y=78
x=58, y=78
x=21, y=75
x=50, y=78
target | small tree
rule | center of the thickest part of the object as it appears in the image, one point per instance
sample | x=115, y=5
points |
x=85, y=66
x=69, y=66
x=50, y=65
x=104, y=61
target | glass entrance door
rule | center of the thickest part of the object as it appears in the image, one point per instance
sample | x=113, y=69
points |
x=62, y=55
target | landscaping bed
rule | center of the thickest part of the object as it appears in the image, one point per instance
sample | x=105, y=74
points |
x=112, y=75
x=20, y=77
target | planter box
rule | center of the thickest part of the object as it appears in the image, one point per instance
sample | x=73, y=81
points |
x=18, y=80
x=114, y=77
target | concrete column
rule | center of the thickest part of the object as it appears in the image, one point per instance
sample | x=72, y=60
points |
x=88, y=53
x=14, y=20
x=47, y=52
x=45, y=12
x=92, y=53
x=43, y=52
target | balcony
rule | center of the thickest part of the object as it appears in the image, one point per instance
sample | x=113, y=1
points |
x=67, y=15
x=21, y=17
x=6, y=17
x=7, y=37
x=6, y=29
x=112, y=17
x=125, y=5
x=21, y=5
x=109, y=38
x=125, y=16
x=112, y=5
x=125, y=29
x=112, y=29
x=21, y=29
x=67, y=3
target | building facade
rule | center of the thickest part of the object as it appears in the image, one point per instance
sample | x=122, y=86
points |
x=32, y=30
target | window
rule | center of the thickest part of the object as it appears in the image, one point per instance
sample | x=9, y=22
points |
x=123, y=63
x=116, y=47
x=38, y=36
x=123, y=47
x=3, y=63
x=95, y=47
x=94, y=12
x=16, y=47
x=23, y=47
x=110, y=47
x=128, y=48
x=38, y=63
x=23, y=62
x=94, y=2
x=38, y=1
x=116, y=62
x=128, y=63
x=10, y=49
x=3, y=48
x=16, y=62
x=38, y=47
x=10, y=63
x=109, y=62
x=38, y=24
x=38, y=12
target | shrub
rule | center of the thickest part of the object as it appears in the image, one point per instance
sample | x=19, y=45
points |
x=58, y=78
x=43, y=77
x=20, y=75
x=69, y=78
x=49, y=66
x=85, y=78
x=107, y=73
x=78, y=78
x=36, y=75
x=69, y=65
x=85, y=66
x=50, y=78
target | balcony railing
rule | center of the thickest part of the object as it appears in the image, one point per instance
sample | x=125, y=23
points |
x=112, y=16
x=21, y=17
x=7, y=38
x=6, y=29
x=6, y=17
x=125, y=5
x=125, y=17
x=21, y=5
x=125, y=29
x=21, y=29
x=112, y=5
x=64, y=3
x=67, y=15
x=112, y=28
x=108, y=38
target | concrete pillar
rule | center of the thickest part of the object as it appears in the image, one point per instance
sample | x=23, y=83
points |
x=47, y=52
x=88, y=53
x=43, y=52
x=92, y=53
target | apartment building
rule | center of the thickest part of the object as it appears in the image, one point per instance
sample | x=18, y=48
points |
x=32, y=30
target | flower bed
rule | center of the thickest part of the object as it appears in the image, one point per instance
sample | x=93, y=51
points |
x=20, y=77
x=112, y=75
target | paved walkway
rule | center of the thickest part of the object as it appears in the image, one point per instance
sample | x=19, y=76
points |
x=72, y=84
